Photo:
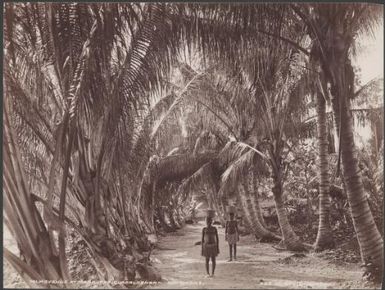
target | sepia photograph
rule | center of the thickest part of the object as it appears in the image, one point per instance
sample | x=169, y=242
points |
x=205, y=145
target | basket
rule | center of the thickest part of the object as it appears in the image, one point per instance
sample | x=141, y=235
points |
x=230, y=209
x=210, y=213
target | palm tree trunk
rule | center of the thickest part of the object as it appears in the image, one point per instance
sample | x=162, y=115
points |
x=244, y=205
x=256, y=205
x=23, y=218
x=247, y=187
x=222, y=218
x=209, y=199
x=290, y=239
x=180, y=216
x=369, y=238
x=161, y=217
x=225, y=203
x=219, y=211
x=245, y=219
x=258, y=210
x=255, y=225
x=213, y=203
x=324, y=237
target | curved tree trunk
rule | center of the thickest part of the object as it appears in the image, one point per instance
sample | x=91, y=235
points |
x=177, y=217
x=256, y=205
x=95, y=229
x=290, y=239
x=248, y=226
x=243, y=204
x=258, y=210
x=324, y=236
x=20, y=212
x=255, y=225
x=246, y=186
x=162, y=221
x=369, y=238
x=219, y=210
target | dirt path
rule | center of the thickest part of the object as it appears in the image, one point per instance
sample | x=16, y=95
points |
x=259, y=266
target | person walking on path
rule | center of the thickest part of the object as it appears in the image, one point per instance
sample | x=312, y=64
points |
x=210, y=245
x=232, y=236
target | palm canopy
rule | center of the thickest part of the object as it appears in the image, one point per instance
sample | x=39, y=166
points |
x=98, y=80
x=82, y=87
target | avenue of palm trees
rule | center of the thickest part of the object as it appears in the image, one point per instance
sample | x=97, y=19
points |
x=114, y=114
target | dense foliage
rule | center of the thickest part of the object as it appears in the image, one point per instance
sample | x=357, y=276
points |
x=115, y=113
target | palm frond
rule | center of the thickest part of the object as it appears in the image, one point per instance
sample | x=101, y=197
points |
x=248, y=162
x=201, y=177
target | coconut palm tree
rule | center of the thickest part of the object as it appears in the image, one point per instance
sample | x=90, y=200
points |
x=267, y=119
x=324, y=237
x=259, y=33
x=58, y=46
x=239, y=127
x=275, y=89
x=22, y=217
x=255, y=219
x=333, y=28
x=101, y=95
x=255, y=201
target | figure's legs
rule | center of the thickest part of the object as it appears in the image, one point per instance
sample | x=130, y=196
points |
x=214, y=264
x=235, y=251
x=231, y=252
x=207, y=265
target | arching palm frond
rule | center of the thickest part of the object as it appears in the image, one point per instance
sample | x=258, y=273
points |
x=203, y=176
x=248, y=162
